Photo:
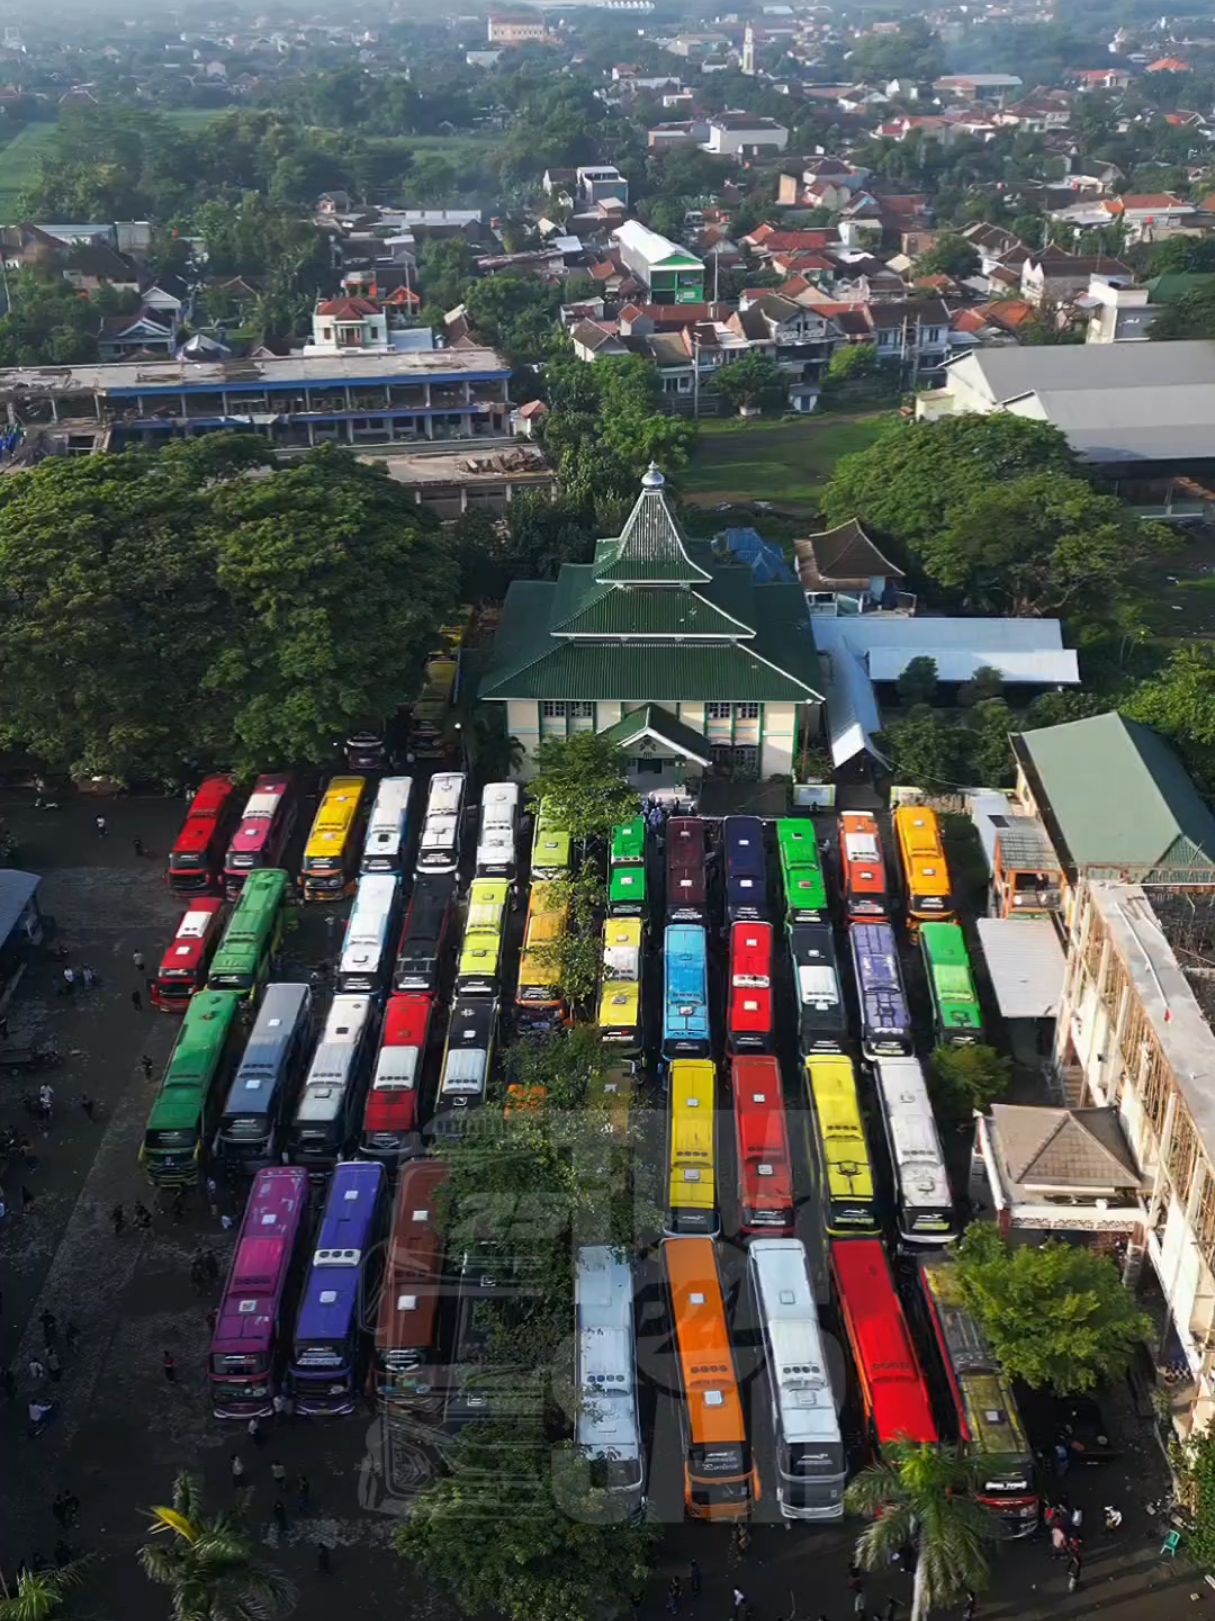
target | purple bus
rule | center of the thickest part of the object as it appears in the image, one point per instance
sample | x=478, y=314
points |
x=253, y=1314
x=324, y=1371
x=885, y=1019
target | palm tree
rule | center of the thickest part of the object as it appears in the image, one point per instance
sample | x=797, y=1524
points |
x=209, y=1566
x=921, y=1496
x=40, y=1593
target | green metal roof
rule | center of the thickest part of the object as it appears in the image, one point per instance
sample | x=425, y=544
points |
x=1175, y=284
x=604, y=671
x=1118, y=795
x=649, y=613
x=651, y=550
x=663, y=725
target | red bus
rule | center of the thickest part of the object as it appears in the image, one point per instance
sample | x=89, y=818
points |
x=196, y=861
x=749, y=1014
x=687, y=881
x=761, y=1136
x=406, y=1372
x=864, y=869
x=183, y=969
x=265, y=826
x=391, y=1118
x=893, y=1391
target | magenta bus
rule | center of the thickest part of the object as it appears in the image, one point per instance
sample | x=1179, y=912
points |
x=253, y=1326
x=266, y=823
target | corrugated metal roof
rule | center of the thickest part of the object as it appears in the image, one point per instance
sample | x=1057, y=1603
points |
x=16, y=888
x=651, y=549
x=1026, y=964
x=959, y=664
x=1110, y=367
x=651, y=613
x=590, y=671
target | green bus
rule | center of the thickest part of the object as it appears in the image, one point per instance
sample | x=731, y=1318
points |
x=626, y=892
x=254, y=932
x=193, y=1088
x=801, y=869
x=951, y=984
x=628, y=843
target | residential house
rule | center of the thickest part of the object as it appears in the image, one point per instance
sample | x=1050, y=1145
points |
x=977, y=86
x=1118, y=314
x=798, y=337
x=841, y=570
x=121, y=337
x=527, y=28
x=346, y=326
x=682, y=659
x=690, y=132
x=1056, y=277
x=926, y=126
x=1155, y=216
x=914, y=335
x=1099, y=78
x=739, y=134
x=1168, y=64
x=90, y=268
x=669, y=273
x=602, y=183
x=592, y=340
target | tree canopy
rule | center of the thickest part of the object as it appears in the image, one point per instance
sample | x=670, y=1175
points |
x=1056, y=1316
x=209, y=605
x=950, y=255
x=1179, y=702
x=581, y=779
x=755, y=380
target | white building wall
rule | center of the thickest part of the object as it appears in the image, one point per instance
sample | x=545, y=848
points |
x=780, y=732
x=523, y=722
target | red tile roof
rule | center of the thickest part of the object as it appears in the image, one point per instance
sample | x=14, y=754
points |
x=347, y=307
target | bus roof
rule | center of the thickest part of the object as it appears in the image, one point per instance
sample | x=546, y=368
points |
x=196, y=927
x=194, y=1060
x=628, y=842
x=622, y=948
x=409, y=1303
x=259, y=1265
x=626, y=884
x=619, y=1003
x=206, y=809
x=282, y=1008
x=797, y=841
x=800, y=1373
x=335, y=816
x=882, y=1343
x=707, y=1363
x=832, y=1082
x=487, y=900
x=260, y=810
x=607, y=1410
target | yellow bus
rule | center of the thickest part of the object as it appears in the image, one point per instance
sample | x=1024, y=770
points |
x=691, y=1180
x=540, y=1004
x=331, y=856
x=840, y=1153
x=480, y=963
x=550, y=846
x=923, y=868
x=620, y=995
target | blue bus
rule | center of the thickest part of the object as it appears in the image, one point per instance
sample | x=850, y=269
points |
x=746, y=871
x=262, y=1094
x=685, y=1020
x=325, y=1368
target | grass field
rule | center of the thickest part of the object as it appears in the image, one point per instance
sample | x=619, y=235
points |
x=19, y=164
x=787, y=463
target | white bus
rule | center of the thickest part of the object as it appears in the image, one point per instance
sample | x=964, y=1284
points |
x=442, y=830
x=497, y=838
x=387, y=841
x=329, y=1110
x=811, y=1463
x=925, y=1204
x=608, y=1424
x=367, y=953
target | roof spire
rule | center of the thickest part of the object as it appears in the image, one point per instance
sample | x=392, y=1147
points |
x=652, y=478
x=650, y=549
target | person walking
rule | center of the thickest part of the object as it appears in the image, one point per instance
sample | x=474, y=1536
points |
x=143, y=1217
x=46, y=1101
x=211, y=1266
x=27, y=1199
x=58, y=1510
x=69, y=980
x=146, y=1065
x=117, y=1220
x=280, y=1515
x=324, y=1563
x=49, y=1325
x=212, y=1191
x=88, y=977
x=99, y=823
x=968, y=1609
x=674, y=1596
x=1077, y=1519
x=37, y=1370
x=53, y=1365
x=238, y=1471
x=740, y=1599
x=169, y=1363
x=892, y=1605
x=278, y=1473
x=138, y=844
x=137, y=957
x=858, y=1604
x=254, y=1431
x=137, y=1000
x=88, y=1105
x=71, y=1336
x=693, y=1578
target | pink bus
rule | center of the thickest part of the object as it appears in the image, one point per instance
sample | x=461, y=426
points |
x=266, y=824
x=253, y=1326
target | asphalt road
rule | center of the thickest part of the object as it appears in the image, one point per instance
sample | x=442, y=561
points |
x=122, y=1431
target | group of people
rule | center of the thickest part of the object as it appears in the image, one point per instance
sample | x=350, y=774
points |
x=1064, y=1524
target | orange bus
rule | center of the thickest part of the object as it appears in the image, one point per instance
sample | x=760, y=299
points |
x=925, y=872
x=720, y=1480
x=863, y=869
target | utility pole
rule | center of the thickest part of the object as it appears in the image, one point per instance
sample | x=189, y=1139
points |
x=695, y=373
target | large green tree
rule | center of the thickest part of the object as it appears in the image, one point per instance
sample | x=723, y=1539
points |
x=209, y=605
x=581, y=777
x=911, y=481
x=950, y=255
x=1056, y=1316
x=209, y=1564
x=1179, y=702
x=1190, y=316
x=754, y=382
x=921, y=1496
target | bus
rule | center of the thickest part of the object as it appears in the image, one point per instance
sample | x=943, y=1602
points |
x=811, y=1462
x=627, y=891
x=720, y=1481
x=334, y=847
x=479, y=966
x=196, y=861
x=610, y=1093
x=687, y=879
x=894, y=1394
x=191, y=1090
x=262, y=1095
x=746, y=870
x=325, y=1372
x=468, y=1054
x=550, y=846
x=822, y=1018
x=988, y=1424
x=253, y=935
x=802, y=878
x=921, y=1182
x=266, y=824
x=865, y=890
x=956, y=1014
x=922, y=865
x=749, y=999
x=840, y=1155
x=443, y=828
x=386, y=842
x=251, y=1325
x=608, y=1425
x=628, y=843
x=498, y=835
x=685, y=1017
x=366, y=961
x=424, y=934
x=885, y=1016
x=761, y=1138
x=330, y=1104
x=185, y=965
x=691, y=1156
x=539, y=1000
x=393, y=1116
x=620, y=995
x=405, y=1364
